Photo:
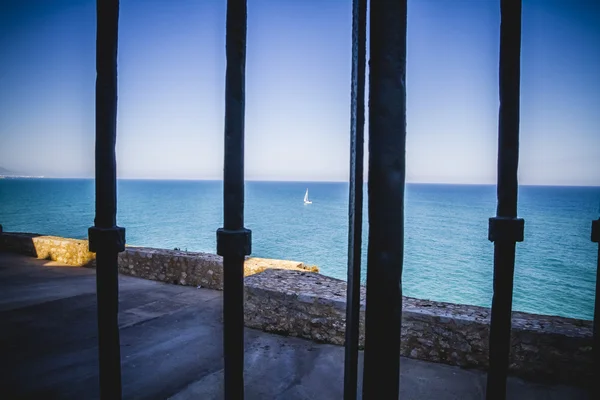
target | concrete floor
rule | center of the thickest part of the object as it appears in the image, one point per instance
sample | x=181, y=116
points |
x=172, y=346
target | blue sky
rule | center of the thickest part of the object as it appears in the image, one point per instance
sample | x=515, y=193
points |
x=172, y=74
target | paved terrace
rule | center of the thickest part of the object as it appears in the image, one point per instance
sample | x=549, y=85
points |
x=171, y=346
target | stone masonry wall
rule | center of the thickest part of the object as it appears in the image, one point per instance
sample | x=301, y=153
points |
x=67, y=251
x=171, y=266
x=313, y=306
x=285, y=297
x=189, y=268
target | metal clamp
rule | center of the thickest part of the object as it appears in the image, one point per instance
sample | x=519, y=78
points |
x=234, y=242
x=506, y=229
x=106, y=239
x=596, y=231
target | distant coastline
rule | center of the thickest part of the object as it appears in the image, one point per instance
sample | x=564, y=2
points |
x=19, y=177
x=8, y=174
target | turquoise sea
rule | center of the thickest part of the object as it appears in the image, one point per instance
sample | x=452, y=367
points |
x=447, y=254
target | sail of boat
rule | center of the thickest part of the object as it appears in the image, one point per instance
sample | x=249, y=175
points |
x=306, y=200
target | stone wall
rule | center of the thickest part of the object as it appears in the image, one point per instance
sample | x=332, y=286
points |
x=172, y=266
x=313, y=306
x=189, y=268
x=67, y=251
x=285, y=297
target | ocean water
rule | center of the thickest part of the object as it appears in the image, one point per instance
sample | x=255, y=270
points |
x=447, y=254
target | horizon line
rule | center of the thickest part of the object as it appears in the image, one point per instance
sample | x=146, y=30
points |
x=298, y=181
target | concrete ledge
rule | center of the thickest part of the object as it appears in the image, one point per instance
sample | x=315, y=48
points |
x=313, y=306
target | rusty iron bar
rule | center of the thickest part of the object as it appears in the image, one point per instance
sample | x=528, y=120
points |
x=233, y=240
x=596, y=343
x=355, y=206
x=505, y=229
x=387, y=174
x=106, y=239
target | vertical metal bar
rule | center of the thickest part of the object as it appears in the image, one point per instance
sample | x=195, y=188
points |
x=234, y=114
x=105, y=238
x=596, y=343
x=357, y=126
x=508, y=118
x=233, y=241
x=505, y=229
x=109, y=352
x=387, y=173
x=106, y=111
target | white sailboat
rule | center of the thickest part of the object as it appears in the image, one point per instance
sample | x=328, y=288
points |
x=306, y=200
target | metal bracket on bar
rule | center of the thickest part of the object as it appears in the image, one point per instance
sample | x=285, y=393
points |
x=234, y=242
x=106, y=239
x=595, y=231
x=506, y=229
